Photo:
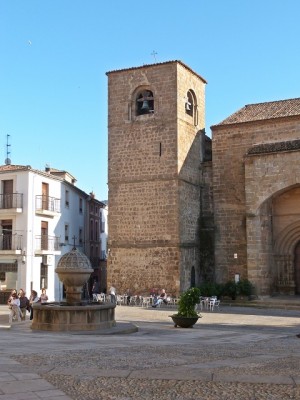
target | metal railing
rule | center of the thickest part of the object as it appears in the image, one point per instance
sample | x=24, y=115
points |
x=12, y=200
x=11, y=241
x=46, y=242
x=47, y=203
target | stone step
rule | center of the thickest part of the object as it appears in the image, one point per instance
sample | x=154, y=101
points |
x=284, y=303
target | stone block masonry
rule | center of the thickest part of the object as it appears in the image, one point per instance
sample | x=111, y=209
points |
x=153, y=178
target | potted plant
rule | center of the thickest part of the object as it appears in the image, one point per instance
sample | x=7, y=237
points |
x=187, y=315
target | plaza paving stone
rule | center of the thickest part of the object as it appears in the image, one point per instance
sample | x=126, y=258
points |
x=235, y=353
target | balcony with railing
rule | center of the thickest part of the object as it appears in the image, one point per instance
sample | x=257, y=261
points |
x=45, y=244
x=11, y=202
x=46, y=205
x=11, y=243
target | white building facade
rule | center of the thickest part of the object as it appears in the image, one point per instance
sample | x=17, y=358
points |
x=42, y=216
x=104, y=231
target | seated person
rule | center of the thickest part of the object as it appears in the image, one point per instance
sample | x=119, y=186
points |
x=162, y=298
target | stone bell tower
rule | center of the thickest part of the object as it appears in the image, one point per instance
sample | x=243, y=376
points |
x=155, y=128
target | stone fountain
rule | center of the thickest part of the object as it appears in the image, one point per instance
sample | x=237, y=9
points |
x=73, y=270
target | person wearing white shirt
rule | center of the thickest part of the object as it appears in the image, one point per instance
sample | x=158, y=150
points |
x=15, y=312
x=112, y=292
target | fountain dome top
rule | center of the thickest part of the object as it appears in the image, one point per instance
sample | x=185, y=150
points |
x=74, y=260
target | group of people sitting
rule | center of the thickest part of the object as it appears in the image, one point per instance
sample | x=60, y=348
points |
x=19, y=304
x=162, y=298
x=128, y=298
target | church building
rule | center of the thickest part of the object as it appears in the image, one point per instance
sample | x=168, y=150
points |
x=185, y=208
x=256, y=196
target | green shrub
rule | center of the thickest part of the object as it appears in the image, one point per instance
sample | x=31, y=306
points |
x=209, y=289
x=242, y=288
x=231, y=289
x=245, y=287
x=187, y=302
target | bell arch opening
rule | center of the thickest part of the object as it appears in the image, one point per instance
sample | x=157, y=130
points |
x=144, y=102
x=191, y=107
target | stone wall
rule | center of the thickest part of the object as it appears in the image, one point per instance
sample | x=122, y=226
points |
x=272, y=203
x=153, y=174
x=242, y=186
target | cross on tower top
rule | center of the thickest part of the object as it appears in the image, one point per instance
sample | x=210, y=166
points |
x=154, y=54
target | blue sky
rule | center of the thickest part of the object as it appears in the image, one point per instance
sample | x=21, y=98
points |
x=55, y=55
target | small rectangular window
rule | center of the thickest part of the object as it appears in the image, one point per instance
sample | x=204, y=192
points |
x=66, y=233
x=67, y=201
x=96, y=231
x=91, y=229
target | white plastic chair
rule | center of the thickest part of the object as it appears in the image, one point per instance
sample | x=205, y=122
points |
x=100, y=297
x=133, y=300
x=95, y=298
x=213, y=302
x=145, y=301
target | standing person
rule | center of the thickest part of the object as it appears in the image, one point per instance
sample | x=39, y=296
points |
x=10, y=296
x=44, y=296
x=24, y=303
x=95, y=289
x=112, y=292
x=128, y=296
x=14, y=305
x=34, y=298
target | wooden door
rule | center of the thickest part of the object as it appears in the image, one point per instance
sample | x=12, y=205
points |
x=7, y=234
x=45, y=195
x=44, y=235
x=8, y=193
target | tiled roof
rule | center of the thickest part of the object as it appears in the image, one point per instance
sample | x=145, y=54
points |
x=264, y=111
x=10, y=167
x=275, y=147
x=162, y=63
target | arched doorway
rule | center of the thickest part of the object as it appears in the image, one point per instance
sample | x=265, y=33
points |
x=297, y=267
x=280, y=233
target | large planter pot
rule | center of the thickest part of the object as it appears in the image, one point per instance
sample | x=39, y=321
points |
x=184, y=322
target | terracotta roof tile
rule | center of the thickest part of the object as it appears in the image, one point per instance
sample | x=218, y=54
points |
x=276, y=147
x=161, y=63
x=10, y=167
x=264, y=111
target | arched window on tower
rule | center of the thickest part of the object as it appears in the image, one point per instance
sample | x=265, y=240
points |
x=191, y=106
x=144, y=102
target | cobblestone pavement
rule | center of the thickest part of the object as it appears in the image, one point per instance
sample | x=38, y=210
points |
x=235, y=353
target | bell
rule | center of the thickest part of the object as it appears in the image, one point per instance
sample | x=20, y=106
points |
x=188, y=106
x=145, y=105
